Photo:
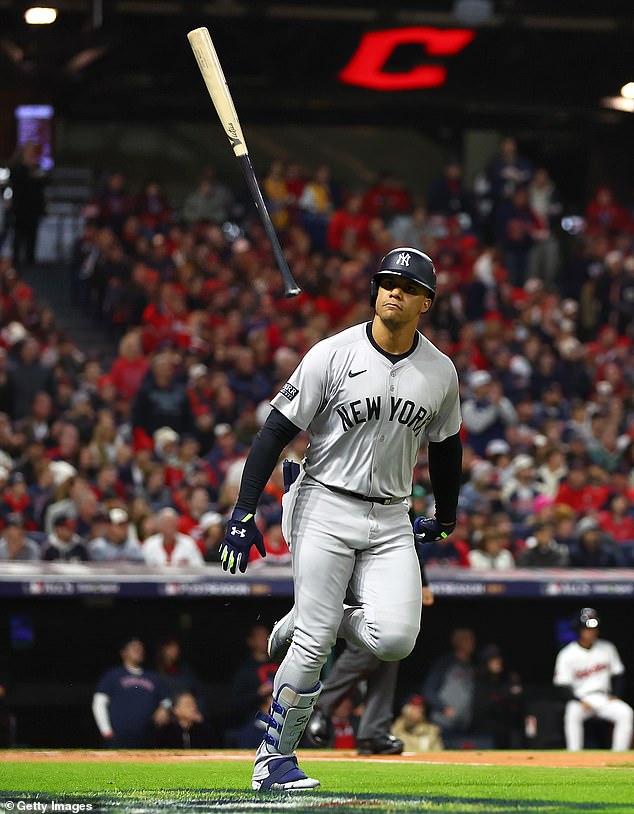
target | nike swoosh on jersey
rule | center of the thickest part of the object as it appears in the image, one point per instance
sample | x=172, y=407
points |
x=358, y=373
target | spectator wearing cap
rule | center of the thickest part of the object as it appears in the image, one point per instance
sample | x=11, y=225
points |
x=486, y=412
x=63, y=543
x=519, y=493
x=66, y=485
x=498, y=452
x=15, y=546
x=119, y=542
x=542, y=549
x=130, y=701
x=168, y=546
x=201, y=399
x=592, y=548
x=211, y=528
x=412, y=727
x=481, y=492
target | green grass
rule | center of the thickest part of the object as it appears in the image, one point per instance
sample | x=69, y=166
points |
x=213, y=786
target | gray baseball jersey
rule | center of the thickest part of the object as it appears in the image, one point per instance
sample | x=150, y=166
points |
x=366, y=417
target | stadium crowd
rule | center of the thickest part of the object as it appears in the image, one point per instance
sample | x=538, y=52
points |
x=140, y=459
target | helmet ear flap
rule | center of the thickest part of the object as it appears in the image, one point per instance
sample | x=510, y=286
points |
x=374, y=290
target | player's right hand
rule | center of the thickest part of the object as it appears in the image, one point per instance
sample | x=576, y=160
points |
x=241, y=534
x=429, y=529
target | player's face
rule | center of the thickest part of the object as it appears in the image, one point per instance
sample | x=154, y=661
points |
x=400, y=300
x=588, y=636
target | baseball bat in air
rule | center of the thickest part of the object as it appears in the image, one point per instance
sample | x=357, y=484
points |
x=212, y=73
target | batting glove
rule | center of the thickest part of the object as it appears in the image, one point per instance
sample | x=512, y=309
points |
x=428, y=529
x=241, y=534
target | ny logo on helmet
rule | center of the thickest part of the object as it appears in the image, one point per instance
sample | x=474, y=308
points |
x=236, y=532
x=403, y=259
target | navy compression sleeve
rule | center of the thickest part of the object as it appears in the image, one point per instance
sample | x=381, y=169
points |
x=445, y=468
x=276, y=432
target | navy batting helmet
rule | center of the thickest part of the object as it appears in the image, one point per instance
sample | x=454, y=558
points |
x=589, y=618
x=410, y=263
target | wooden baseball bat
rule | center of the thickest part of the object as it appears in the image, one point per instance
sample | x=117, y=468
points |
x=212, y=73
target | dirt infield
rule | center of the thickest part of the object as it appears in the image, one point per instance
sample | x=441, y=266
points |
x=588, y=759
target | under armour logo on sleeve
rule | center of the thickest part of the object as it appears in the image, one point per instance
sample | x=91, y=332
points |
x=236, y=532
x=403, y=259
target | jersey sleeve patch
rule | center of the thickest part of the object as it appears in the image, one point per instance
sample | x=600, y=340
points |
x=289, y=391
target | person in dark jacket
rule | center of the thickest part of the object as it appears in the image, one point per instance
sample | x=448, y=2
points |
x=497, y=700
x=162, y=401
x=27, y=204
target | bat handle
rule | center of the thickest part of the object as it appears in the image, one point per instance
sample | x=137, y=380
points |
x=291, y=289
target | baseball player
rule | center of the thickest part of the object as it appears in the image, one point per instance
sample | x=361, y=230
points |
x=367, y=397
x=356, y=664
x=591, y=674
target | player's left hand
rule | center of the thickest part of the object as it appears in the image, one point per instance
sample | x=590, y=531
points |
x=242, y=533
x=429, y=529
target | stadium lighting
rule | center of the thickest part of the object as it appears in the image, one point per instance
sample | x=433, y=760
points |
x=40, y=15
x=627, y=91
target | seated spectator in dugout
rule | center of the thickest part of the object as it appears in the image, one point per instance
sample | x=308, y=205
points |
x=186, y=729
x=412, y=727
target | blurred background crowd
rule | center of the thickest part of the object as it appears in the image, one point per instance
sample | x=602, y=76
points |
x=138, y=456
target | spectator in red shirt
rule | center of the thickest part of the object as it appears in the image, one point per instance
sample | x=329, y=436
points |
x=576, y=492
x=386, y=198
x=603, y=213
x=348, y=230
x=130, y=366
x=617, y=521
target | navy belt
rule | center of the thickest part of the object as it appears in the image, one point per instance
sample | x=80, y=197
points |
x=383, y=501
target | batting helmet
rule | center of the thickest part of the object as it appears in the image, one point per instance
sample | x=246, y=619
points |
x=588, y=617
x=406, y=262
